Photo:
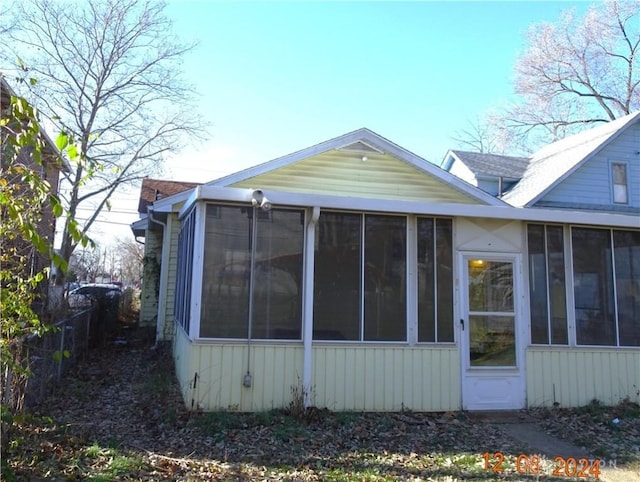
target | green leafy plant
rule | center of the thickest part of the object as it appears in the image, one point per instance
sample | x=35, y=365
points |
x=28, y=206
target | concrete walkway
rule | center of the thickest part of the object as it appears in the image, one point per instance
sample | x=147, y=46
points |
x=522, y=428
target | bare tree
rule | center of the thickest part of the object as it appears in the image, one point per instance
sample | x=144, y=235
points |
x=577, y=72
x=572, y=74
x=108, y=74
x=130, y=255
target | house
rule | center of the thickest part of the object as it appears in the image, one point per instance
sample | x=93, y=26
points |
x=151, y=191
x=51, y=168
x=362, y=277
x=493, y=173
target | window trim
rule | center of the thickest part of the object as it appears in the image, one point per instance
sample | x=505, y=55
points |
x=198, y=273
x=613, y=184
x=573, y=329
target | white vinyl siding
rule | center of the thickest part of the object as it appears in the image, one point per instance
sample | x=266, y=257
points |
x=574, y=377
x=375, y=378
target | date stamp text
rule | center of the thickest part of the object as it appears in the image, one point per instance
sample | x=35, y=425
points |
x=535, y=465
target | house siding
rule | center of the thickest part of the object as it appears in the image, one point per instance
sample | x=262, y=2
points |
x=591, y=183
x=343, y=377
x=173, y=225
x=151, y=278
x=184, y=371
x=339, y=173
x=574, y=377
x=386, y=378
x=275, y=370
x=460, y=170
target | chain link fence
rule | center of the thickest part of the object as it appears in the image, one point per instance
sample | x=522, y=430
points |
x=44, y=360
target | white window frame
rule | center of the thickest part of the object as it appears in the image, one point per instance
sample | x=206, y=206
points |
x=614, y=199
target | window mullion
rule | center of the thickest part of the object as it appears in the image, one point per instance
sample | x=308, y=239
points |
x=615, y=287
x=362, y=274
x=546, y=283
x=435, y=280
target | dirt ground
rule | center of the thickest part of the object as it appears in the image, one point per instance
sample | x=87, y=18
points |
x=119, y=416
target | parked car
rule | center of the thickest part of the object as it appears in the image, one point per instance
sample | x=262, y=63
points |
x=87, y=295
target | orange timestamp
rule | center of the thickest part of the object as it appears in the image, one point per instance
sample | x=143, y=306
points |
x=533, y=465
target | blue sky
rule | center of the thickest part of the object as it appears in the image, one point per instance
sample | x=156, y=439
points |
x=276, y=77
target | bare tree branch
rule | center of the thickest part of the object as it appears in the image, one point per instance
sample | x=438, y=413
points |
x=109, y=75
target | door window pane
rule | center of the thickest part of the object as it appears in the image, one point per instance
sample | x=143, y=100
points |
x=627, y=256
x=490, y=286
x=337, y=294
x=593, y=287
x=492, y=341
x=385, y=268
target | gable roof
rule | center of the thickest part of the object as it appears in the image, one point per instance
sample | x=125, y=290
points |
x=154, y=189
x=555, y=162
x=490, y=165
x=362, y=141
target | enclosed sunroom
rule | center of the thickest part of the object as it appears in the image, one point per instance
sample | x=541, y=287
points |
x=360, y=277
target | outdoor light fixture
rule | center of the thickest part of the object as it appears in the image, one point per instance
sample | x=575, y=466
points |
x=259, y=200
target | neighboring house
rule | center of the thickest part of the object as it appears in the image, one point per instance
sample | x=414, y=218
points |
x=369, y=279
x=492, y=173
x=152, y=231
x=53, y=164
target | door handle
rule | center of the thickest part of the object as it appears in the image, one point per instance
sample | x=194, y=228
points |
x=462, y=323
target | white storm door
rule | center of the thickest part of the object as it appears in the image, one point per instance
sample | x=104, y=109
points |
x=491, y=332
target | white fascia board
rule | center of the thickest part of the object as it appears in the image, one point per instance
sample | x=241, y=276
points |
x=139, y=226
x=445, y=176
x=166, y=204
x=283, y=161
x=215, y=193
x=279, y=198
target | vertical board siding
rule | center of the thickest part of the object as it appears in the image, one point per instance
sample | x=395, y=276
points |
x=386, y=378
x=169, y=322
x=275, y=371
x=574, y=377
x=343, y=378
x=591, y=182
x=182, y=359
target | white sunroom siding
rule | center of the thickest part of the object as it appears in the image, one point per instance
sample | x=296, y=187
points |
x=574, y=377
x=275, y=370
x=392, y=378
x=370, y=378
x=591, y=183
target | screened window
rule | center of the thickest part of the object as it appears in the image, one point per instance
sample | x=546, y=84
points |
x=627, y=265
x=619, y=178
x=360, y=277
x=182, y=305
x=607, y=286
x=268, y=304
x=547, y=287
x=435, y=280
